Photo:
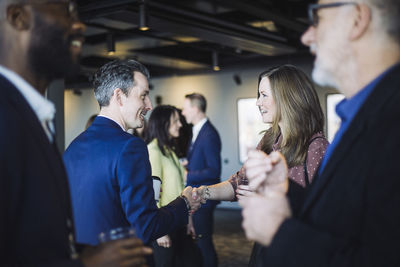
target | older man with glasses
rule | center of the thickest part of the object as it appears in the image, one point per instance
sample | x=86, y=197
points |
x=350, y=215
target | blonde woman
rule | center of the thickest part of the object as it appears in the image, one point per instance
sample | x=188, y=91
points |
x=288, y=102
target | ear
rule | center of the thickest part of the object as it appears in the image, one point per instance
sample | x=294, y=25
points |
x=18, y=17
x=119, y=96
x=361, y=23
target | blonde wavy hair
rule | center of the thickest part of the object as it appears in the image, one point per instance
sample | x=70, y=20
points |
x=297, y=108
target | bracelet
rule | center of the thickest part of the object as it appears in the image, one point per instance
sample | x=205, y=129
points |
x=186, y=202
x=206, y=194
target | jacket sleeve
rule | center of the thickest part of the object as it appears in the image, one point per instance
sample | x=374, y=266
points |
x=155, y=161
x=137, y=195
x=211, y=152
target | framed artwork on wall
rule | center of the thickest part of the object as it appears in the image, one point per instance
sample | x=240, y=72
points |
x=332, y=119
x=250, y=126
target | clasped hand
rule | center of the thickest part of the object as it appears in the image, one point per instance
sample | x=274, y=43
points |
x=193, y=202
x=264, y=212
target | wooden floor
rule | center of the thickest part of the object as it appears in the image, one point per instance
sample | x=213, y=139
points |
x=232, y=247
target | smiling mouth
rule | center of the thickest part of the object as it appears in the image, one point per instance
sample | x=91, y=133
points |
x=143, y=114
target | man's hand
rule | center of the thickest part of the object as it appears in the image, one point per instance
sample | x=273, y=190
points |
x=194, y=204
x=198, y=194
x=123, y=252
x=263, y=215
x=164, y=241
x=266, y=170
x=244, y=191
x=190, y=228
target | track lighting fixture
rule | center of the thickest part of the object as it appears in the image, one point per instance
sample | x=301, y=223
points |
x=110, y=44
x=143, y=17
x=215, y=64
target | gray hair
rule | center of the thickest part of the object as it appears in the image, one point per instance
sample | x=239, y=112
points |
x=116, y=74
x=388, y=13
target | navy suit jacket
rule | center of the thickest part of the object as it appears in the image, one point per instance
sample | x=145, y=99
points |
x=34, y=195
x=111, y=185
x=351, y=216
x=204, y=159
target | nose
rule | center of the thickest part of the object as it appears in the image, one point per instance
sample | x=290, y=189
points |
x=308, y=36
x=148, y=104
x=258, y=102
x=179, y=124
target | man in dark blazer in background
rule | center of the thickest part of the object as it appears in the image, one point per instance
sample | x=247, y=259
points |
x=203, y=168
x=40, y=42
x=351, y=215
x=109, y=169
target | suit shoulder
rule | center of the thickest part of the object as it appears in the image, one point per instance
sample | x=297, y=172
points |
x=131, y=141
x=211, y=131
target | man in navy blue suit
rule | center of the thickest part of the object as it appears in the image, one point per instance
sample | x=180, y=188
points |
x=40, y=41
x=109, y=169
x=203, y=168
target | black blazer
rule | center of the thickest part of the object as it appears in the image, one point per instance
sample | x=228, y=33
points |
x=351, y=216
x=34, y=196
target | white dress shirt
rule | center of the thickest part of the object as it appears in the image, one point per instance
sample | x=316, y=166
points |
x=43, y=108
x=196, y=129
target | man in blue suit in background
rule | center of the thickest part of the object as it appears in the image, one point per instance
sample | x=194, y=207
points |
x=109, y=169
x=203, y=168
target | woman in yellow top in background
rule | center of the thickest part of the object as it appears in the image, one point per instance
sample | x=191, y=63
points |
x=163, y=127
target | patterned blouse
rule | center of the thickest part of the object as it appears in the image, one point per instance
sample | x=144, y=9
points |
x=316, y=151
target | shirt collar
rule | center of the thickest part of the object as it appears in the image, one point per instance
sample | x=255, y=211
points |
x=43, y=108
x=197, y=126
x=348, y=108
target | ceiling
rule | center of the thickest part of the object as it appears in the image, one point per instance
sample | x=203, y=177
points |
x=190, y=36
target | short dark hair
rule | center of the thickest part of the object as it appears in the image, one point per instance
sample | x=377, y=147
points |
x=199, y=100
x=116, y=74
x=158, y=127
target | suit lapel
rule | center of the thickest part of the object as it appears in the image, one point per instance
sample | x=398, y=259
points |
x=338, y=155
x=36, y=130
x=198, y=139
x=361, y=122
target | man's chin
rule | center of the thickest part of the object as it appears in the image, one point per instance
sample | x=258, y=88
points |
x=323, y=78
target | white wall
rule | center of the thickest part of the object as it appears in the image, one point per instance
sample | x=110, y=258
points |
x=221, y=92
x=77, y=110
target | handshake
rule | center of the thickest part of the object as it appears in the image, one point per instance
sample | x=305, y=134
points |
x=194, y=197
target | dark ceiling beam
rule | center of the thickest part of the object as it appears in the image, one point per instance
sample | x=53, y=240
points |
x=263, y=13
x=100, y=8
x=174, y=13
x=210, y=33
x=128, y=34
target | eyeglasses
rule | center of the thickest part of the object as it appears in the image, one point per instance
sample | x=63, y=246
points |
x=313, y=10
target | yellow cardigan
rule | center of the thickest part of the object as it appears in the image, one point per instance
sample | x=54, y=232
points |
x=169, y=170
